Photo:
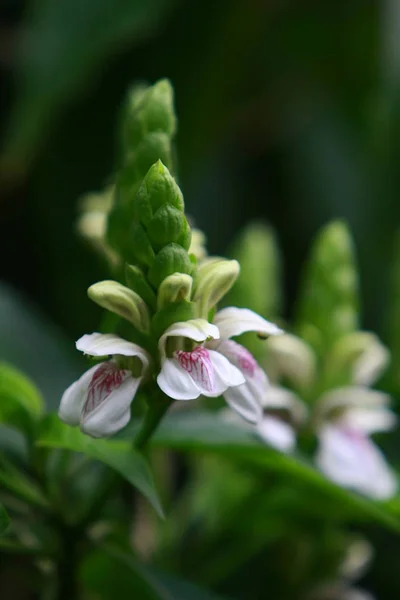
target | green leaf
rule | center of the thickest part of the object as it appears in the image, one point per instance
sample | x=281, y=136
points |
x=4, y=520
x=17, y=482
x=20, y=401
x=111, y=573
x=118, y=455
x=209, y=432
x=67, y=47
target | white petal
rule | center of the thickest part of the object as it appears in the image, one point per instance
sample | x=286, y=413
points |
x=198, y=330
x=176, y=382
x=74, y=398
x=277, y=433
x=369, y=420
x=235, y=321
x=246, y=363
x=281, y=398
x=242, y=400
x=371, y=363
x=105, y=344
x=352, y=460
x=350, y=397
x=111, y=411
x=225, y=374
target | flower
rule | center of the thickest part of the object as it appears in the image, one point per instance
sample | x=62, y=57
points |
x=282, y=411
x=99, y=401
x=345, y=416
x=201, y=359
x=346, y=454
x=277, y=429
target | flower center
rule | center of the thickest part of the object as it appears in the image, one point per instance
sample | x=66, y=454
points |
x=199, y=366
x=107, y=378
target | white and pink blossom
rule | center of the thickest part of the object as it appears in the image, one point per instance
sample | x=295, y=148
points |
x=215, y=365
x=99, y=401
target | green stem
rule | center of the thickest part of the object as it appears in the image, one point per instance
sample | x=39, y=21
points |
x=152, y=419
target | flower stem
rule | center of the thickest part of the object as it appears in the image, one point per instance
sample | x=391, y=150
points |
x=156, y=411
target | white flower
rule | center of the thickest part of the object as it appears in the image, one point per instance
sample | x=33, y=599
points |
x=346, y=454
x=99, y=402
x=215, y=365
x=274, y=430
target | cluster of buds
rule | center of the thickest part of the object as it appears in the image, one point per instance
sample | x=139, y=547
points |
x=177, y=341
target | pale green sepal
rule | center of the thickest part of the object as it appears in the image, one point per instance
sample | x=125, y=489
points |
x=174, y=288
x=122, y=301
x=214, y=279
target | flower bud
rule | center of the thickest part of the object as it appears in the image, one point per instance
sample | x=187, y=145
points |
x=148, y=126
x=175, y=288
x=291, y=357
x=149, y=110
x=158, y=188
x=358, y=358
x=155, y=146
x=122, y=301
x=166, y=226
x=214, y=279
x=171, y=259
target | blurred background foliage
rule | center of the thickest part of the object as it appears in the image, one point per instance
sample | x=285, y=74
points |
x=288, y=112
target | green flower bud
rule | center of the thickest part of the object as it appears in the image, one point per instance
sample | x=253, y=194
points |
x=158, y=188
x=171, y=259
x=166, y=226
x=155, y=146
x=137, y=282
x=214, y=279
x=149, y=110
x=148, y=127
x=329, y=299
x=122, y=301
x=175, y=288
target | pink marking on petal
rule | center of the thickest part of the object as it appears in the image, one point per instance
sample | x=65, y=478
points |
x=241, y=358
x=199, y=366
x=107, y=378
